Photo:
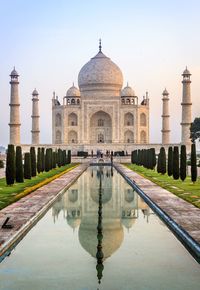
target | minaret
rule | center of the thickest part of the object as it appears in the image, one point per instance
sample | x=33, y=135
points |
x=186, y=108
x=165, y=118
x=14, y=109
x=35, y=118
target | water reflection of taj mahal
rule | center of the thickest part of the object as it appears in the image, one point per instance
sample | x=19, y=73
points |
x=120, y=210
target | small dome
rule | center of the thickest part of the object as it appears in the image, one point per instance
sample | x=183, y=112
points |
x=73, y=92
x=73, y=222
x=113, y=236
x=100, y=73
x=127, y=92
x=165, y=92
x=35, y=93
x=186, y=72
x=14, y=73
x=128, y=222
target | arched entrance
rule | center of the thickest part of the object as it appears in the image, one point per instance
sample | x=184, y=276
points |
x=100, y=128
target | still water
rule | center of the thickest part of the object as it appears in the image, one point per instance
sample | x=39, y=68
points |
x=133, y=249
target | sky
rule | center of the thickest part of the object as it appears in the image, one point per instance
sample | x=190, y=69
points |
x=49, y=41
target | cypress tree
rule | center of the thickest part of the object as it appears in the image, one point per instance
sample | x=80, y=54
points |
x=170, y=161
x=10, y=165
x=59, y=157
x=183, y=162
x=193, y=163
x=33, y=161
x=53, y=159
x=39, y=160
x=69, y=157
x=158, y=164
x=176, y=163
x=47, y=160
x=19, y=165
x=162, y=160
x=132, y=157
x=153, y=156
x=27, y=165
x=50, y=158
x=42, y=159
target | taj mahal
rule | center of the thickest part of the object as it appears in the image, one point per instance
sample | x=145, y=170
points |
x=100, y=113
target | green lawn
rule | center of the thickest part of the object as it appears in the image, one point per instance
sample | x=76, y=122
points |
x=9, y=194
x=184, y=189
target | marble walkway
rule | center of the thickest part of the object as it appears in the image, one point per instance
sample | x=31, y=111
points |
x=25, y=212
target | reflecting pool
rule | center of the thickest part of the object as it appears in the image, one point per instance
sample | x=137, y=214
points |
x=100, y=235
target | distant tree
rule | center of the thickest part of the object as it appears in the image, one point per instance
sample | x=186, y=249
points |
x=132, y=157
x=42, y=159
x=47, y=160
x=53, y=159
x=193, y=163
x=33, y=161
x=195, y=130
x=153, y=158
x=10, y=165
x=69, y=157
x=27, y=165
x=170, y=161
x=183, y=163
x=162, y=160
x=39, y=160
x=59, y=157
x=159, y=164
x=1, y=164
x=176, y=163
x=64, y=157
x=50, y=158
x=19, y=165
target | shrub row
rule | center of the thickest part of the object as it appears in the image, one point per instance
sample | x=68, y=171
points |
x=174, y=165
x=33, y=165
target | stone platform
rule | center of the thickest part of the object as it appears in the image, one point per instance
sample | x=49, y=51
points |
x=25, y=213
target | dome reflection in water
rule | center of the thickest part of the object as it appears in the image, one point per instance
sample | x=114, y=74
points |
x=99, y=205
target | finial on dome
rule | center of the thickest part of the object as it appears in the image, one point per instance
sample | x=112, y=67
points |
x=100, y=45
x=73, y=84
x=127, y=84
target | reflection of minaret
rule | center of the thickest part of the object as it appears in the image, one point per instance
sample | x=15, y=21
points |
x=14, y=109
x=35, y=118
x=99, y=254
x=165, y=118
x=186, y=108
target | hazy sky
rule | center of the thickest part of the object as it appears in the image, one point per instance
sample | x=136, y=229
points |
x=49, y=42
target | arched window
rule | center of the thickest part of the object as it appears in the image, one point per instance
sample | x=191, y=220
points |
x=58, y=119
x=128, y=119
x=73, y=137
x=78, y=101
x=72, y=119
x=143, y=119
x=128, y=101
x=132, y=101
x=129, y=136
x=58, y=137
x=143, y=137
x=100, y=123
x=123, y=101
x=68, y=101
x=73, y=101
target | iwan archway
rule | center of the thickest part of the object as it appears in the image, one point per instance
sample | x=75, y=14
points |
x=100, y=128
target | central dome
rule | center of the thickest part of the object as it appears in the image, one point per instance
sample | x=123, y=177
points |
x=100, y=73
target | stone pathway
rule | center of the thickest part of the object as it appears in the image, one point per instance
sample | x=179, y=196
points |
x=183, y=213
x=25, y=212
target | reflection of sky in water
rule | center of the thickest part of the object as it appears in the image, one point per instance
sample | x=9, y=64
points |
x=139, y=251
